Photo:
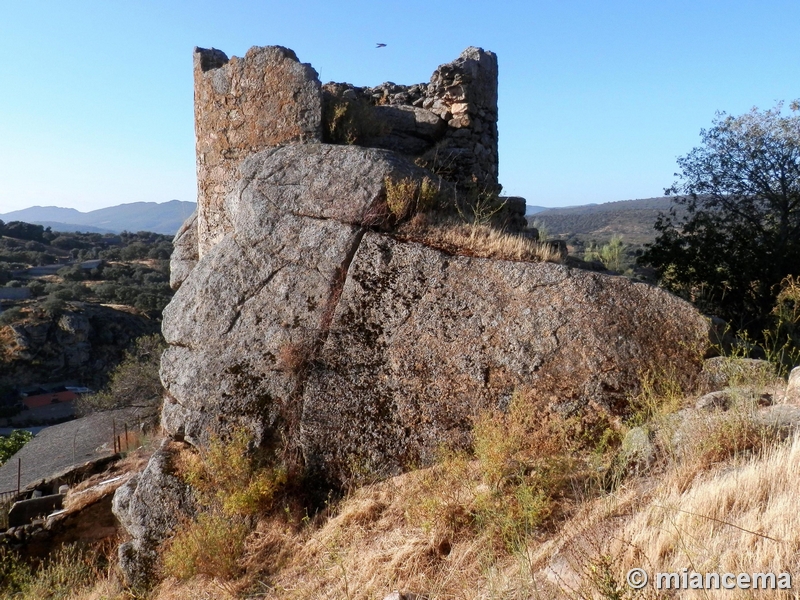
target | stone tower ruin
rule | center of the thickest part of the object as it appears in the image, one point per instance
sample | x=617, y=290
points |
x=269, y=98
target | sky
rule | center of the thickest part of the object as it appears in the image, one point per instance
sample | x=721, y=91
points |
x=596, y=99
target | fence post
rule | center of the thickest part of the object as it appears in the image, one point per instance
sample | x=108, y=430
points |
x=19, y=473
x=127, y=447
x=114, y=430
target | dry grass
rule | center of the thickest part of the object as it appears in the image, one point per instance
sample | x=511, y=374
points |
x=735, y=518
x=484, y=241
x=721, y=497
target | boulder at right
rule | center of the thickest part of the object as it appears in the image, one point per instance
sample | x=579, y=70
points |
x=422, y=341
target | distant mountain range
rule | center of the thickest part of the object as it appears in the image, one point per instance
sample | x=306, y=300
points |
x=164, y=217
x=532, y=210
x=632, y=219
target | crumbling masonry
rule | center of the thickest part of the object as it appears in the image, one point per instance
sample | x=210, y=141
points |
x=269, y=98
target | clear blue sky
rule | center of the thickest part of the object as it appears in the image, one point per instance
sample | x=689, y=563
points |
x=597, y=99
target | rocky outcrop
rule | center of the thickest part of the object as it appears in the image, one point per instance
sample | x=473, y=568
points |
x=421, y=342
x=266, y=292
x=376, y=351
x=307, y=323
x=84, y=342
x=184, y=252
x=384, y=350
x=150, y=506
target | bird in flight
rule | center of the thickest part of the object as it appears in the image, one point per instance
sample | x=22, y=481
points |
x=379, y=45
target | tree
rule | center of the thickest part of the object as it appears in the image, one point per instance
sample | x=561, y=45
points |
x=610, y=254
x=134, y=381
x=740, y=234
x=12, y=444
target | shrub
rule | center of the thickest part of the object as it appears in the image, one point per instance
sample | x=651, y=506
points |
x=780, y=342
x=64, y=573
x=228, y=477
x=14, y=573
x=610, y=254
x=408, y=196
x=12, y=444
x=10, y=315
x=231, y=487
x=525, y=459
x=52, y=306
x=479, y=207
x=211, y=545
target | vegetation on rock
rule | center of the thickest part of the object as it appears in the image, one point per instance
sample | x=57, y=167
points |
x=233, y=486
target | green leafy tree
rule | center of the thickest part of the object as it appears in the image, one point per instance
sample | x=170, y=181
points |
x=740, y=234
x=10, y=445
x=610, y=254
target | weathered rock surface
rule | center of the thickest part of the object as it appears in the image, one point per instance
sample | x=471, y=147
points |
x=422, y=341
x=411, y=130
x=793, y=386
x=719, y=400
x=723, y=371
x=244, y=105
x=150, y=507
x=638, y=452
x=184, y=252
x=265, y=293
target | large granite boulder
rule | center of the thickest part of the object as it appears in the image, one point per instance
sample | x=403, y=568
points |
x=374, y=351
x=258, y=304
x=421, y=341
x=150, y=506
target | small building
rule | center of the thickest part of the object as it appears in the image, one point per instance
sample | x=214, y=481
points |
x=40, y=400
x=91, y=264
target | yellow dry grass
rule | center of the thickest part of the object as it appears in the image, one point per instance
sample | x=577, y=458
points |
x=470, y=239
x=738, y=518
x=728, y=509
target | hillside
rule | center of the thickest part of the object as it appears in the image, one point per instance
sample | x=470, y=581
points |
x=71, y=303
x=632, y=219
x=164, y=217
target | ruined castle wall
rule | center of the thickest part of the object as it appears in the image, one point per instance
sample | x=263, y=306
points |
x=268, y=98
x=241, y=106
x=449, y=124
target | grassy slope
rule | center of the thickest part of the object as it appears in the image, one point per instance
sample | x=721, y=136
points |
x=723, y=499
